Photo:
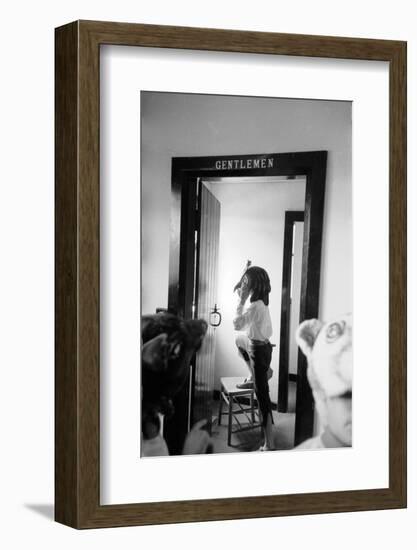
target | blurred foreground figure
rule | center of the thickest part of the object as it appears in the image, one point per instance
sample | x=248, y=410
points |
x=168, y=344
x=328, y=348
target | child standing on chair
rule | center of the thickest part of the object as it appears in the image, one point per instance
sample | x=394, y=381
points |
x=254, y=347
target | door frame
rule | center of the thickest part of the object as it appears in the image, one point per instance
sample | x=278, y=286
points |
x=185, y=174
x=195, y=370
x=283, y=372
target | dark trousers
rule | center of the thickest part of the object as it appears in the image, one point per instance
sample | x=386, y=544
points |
x=259, y=355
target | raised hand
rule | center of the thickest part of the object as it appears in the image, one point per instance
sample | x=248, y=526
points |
x=239, y=284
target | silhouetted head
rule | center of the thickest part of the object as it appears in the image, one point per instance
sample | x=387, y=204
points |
x=168, y=344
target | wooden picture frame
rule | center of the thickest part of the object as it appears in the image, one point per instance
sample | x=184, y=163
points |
x=77, y=374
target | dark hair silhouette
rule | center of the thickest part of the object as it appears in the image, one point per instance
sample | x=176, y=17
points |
x=258, y=283
x=168, y=344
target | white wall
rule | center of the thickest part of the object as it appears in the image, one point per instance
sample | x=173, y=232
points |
x=251, y=227
x=197, y=125
x=27, y=252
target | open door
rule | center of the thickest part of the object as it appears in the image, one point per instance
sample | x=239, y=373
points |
x=205, y=307
x=194, y=255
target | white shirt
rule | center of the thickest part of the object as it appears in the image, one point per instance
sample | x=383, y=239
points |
x=255, y=320
x=312, y=443
x=154, y=447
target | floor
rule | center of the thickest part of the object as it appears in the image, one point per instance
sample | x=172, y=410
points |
x=251, y=440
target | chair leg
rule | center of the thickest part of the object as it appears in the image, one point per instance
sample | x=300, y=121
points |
x=220, y=408
x=229, y=429
x=252, y=410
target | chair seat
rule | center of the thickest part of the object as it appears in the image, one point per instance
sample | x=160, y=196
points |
x=229, y=385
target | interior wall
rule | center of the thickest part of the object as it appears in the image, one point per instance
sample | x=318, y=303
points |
x=178, y=125
x=251, y=228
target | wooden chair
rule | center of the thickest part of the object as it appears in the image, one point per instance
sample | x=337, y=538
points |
x=236, y=407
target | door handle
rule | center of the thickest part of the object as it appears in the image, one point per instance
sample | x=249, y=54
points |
x=217, y=317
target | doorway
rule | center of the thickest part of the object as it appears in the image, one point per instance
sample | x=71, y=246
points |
x=192, y=179
x=290, y=304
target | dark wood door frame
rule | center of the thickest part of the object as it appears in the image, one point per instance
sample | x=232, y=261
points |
x=284, y=339
x=185, y=174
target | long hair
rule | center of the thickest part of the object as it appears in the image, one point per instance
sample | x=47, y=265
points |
x=259, y=284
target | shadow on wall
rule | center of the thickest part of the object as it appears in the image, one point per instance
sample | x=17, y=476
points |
x=45, y=510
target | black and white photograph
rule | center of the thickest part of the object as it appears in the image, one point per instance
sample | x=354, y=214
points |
x=246, y=274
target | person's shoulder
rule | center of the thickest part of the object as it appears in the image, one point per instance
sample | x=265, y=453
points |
x=312, y=443
x=258, y=308
x=154, y=447
x=259, y=305
x=252, y=307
